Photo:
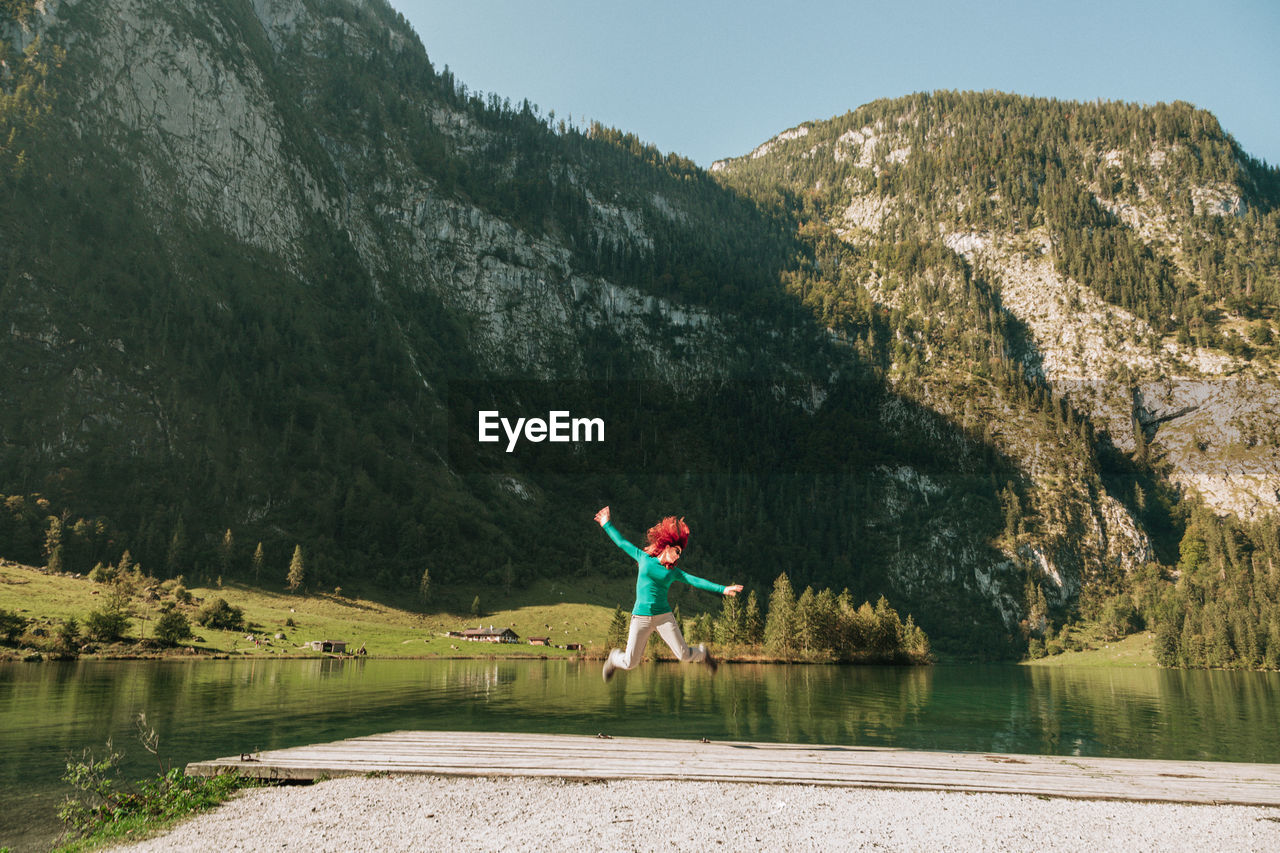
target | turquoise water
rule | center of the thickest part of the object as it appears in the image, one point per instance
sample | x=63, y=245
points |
x=206, y=709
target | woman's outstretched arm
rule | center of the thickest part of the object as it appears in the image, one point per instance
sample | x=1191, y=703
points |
x=709, y=586
x=602, y=518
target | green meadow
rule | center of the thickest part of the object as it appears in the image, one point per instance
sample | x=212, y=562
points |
x=565, y=614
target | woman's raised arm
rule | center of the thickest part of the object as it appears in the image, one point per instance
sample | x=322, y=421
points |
x=602, y=519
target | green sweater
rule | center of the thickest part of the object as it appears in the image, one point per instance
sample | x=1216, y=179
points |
x=655, y=579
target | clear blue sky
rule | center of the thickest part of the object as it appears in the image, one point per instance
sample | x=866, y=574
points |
x=715, y=79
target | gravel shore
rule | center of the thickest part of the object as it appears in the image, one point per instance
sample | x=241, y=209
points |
x=425, y=813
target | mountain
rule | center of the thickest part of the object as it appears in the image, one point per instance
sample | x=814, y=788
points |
x=1129, y=263
x=1137, y=250
x=263, y=263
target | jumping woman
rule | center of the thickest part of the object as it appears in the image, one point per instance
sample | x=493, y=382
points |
x=652, y=612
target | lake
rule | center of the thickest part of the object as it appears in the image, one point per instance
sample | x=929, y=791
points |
x=206, y=709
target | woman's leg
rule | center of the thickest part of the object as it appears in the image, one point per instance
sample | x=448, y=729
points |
x=669, y=630
x=637, y=637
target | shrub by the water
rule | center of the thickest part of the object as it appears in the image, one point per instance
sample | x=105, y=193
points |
x=220, y=614
x=172, y=627
x=69, y=634
x=11, y=625
x=103, y=809
x=106, y=625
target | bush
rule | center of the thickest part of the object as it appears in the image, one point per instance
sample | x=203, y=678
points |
x=103, y=809
x=220, y=614
x=1119, y=618
x=106, y=625
x=177, y=587
x=69, y=635
x=11, y=625
x=172, y=627
x=1168, y=635
x=102, y=574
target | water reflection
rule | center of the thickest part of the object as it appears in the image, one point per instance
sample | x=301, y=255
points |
x=207, y=709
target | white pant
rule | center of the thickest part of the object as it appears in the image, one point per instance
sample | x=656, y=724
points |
x=667, y=628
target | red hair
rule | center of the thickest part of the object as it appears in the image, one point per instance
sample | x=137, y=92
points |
x=669, y=531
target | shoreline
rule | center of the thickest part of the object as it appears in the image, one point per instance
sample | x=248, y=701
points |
x=189, y=653
x=47, y=601
x=493, y=813
x=220, y=656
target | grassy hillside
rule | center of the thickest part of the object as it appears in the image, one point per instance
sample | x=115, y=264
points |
x=385, y=630
x=1135, y=650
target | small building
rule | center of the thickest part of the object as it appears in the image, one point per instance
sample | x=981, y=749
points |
x=336, y=647
x=573, y=647
x=539, y=641
x=482, y=635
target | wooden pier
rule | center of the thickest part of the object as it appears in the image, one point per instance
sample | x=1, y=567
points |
x=600, y=758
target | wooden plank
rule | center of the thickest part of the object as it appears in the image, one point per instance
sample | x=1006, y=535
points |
x=577, y=757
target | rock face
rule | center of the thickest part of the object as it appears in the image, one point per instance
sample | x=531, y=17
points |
x=1220, y=437
x=1209, y=416
x=192, y=96
x=202, y=112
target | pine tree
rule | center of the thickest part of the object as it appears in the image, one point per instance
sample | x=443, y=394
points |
x=917, y=643
x=1168, y=632
x=1141, y=448
x=1012, y=510
x=297, y=569
x=845, y=614
x=752, y=624
x=475, y=606
x=424, y=586
x=258, y=560
x=780, y=624
x=53, y=545
x=226, y=551
x=1190, y=644
x=826, y=632
x=1037, y=607
x=885, y=639
x=616, y=636
x=508, y=577
x=728, y=628
x=1271, y=659
x=806, y=621
x=176, y=556
x=706, y=627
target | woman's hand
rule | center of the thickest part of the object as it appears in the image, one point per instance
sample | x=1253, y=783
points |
x=729, y=590
x=602, y=518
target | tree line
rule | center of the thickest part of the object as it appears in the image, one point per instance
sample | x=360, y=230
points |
x=1223, y=608
x=164, y=608
x=814, y=627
